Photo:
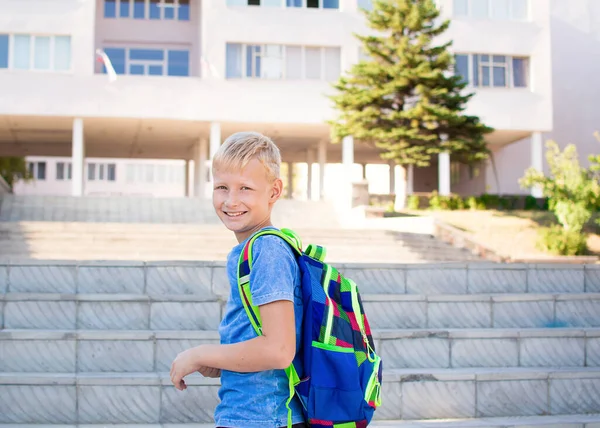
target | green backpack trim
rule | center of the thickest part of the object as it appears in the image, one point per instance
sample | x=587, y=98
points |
x=253, y=312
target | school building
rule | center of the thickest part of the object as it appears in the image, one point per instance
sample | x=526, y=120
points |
x=191, y=72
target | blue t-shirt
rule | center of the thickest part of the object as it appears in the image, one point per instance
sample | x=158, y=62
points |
x=258, y=399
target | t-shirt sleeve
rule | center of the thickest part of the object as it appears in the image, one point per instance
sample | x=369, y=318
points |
x=274, y=269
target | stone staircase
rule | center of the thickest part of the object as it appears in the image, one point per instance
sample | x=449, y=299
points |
x=96, y=228
x=464, y=345
x=144, y=241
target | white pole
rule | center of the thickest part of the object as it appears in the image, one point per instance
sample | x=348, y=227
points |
x=78, y=158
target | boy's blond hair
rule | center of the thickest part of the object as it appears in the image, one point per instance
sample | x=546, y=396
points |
x=240, y=148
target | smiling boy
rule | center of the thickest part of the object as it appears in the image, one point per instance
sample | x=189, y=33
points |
x=254, y=386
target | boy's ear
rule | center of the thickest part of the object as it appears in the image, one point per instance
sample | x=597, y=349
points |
x=277, y=189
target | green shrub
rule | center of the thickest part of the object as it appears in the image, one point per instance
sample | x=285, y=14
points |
x=557, y=240
x=531, y=203
x=435, y=201
x=457, y=203
x=413, y=202
x=506, y=203
x=489, y=202
x=472, y=203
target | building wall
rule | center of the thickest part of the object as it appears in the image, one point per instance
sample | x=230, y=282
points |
x=147, y=179
x=562, y=39
x=575, y=41
x=57, y=17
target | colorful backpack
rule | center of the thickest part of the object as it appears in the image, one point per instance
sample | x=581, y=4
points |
x=340, y=385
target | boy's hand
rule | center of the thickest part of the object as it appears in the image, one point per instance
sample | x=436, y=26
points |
x=183, y=365
x=209, y=372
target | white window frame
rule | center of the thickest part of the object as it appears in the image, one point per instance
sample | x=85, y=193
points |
x=34, y=166
x=67, y=171
x=147, y=62
x=11, y=53
x=490, y=17
x=508, y=67
x=304, y=5
x=162, y=4
x=283, y=4
x=322, y=50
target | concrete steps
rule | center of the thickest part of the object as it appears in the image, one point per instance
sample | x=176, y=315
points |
x=209, y=278
x=205, y=242
x=66, y=351
x=98, y=209
x=194, y=312
x=463, y=344
x=108, y=398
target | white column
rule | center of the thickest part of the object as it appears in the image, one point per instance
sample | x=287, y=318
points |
x=392, y=177
x=186, y=184
x=215, y=138
x=309, y=178
x=78, y=158
x=348, y=152
x=215, y=142
x=537, y=159
x=345, y=193
x=322, y=164
x=410, y=180
x=290, y=180
x=200, y=151
x=364, y=171
x=444, y=174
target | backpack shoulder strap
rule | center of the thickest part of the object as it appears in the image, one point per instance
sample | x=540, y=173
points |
x=243, y=279
x=245, y=267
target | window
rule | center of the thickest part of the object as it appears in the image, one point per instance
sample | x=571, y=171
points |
x=282, y=62
x=148, y=9
x=312, y=63
x=492, y=71
x=149, y=62
x=102, y=171
x=514, y=10
x=21, y=52
x=3, y=50
x=64, y=171
x=520, y=72
x=365, y=4
x=32, y=52
x=37, y=170
x=313, y=4
x=461, y=67
x=41, y=170
x=91, y=171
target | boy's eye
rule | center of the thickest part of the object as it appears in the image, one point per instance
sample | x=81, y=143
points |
x=246, y=188
x=220, y=187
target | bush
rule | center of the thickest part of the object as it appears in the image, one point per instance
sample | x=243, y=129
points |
x=413, y=202
x=457, y=203
x=435, y=202
x=489, y=202
x=530, y=203
x=557, y=240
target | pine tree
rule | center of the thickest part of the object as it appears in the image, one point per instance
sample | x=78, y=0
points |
x=405, y=99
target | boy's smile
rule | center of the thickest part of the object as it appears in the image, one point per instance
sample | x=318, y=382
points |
x=243, y=199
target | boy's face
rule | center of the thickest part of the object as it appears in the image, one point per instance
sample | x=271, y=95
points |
x=243, y=199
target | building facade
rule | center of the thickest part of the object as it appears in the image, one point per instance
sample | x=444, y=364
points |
x=191, y=72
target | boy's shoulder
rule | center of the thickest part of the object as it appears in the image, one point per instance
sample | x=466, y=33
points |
x=272, y=246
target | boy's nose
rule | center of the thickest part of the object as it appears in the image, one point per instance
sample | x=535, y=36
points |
x=232, y=200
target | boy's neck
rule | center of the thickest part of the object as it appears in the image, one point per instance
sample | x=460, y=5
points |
x=242, y=236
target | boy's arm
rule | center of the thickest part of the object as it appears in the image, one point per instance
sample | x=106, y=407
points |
x=275, y=349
